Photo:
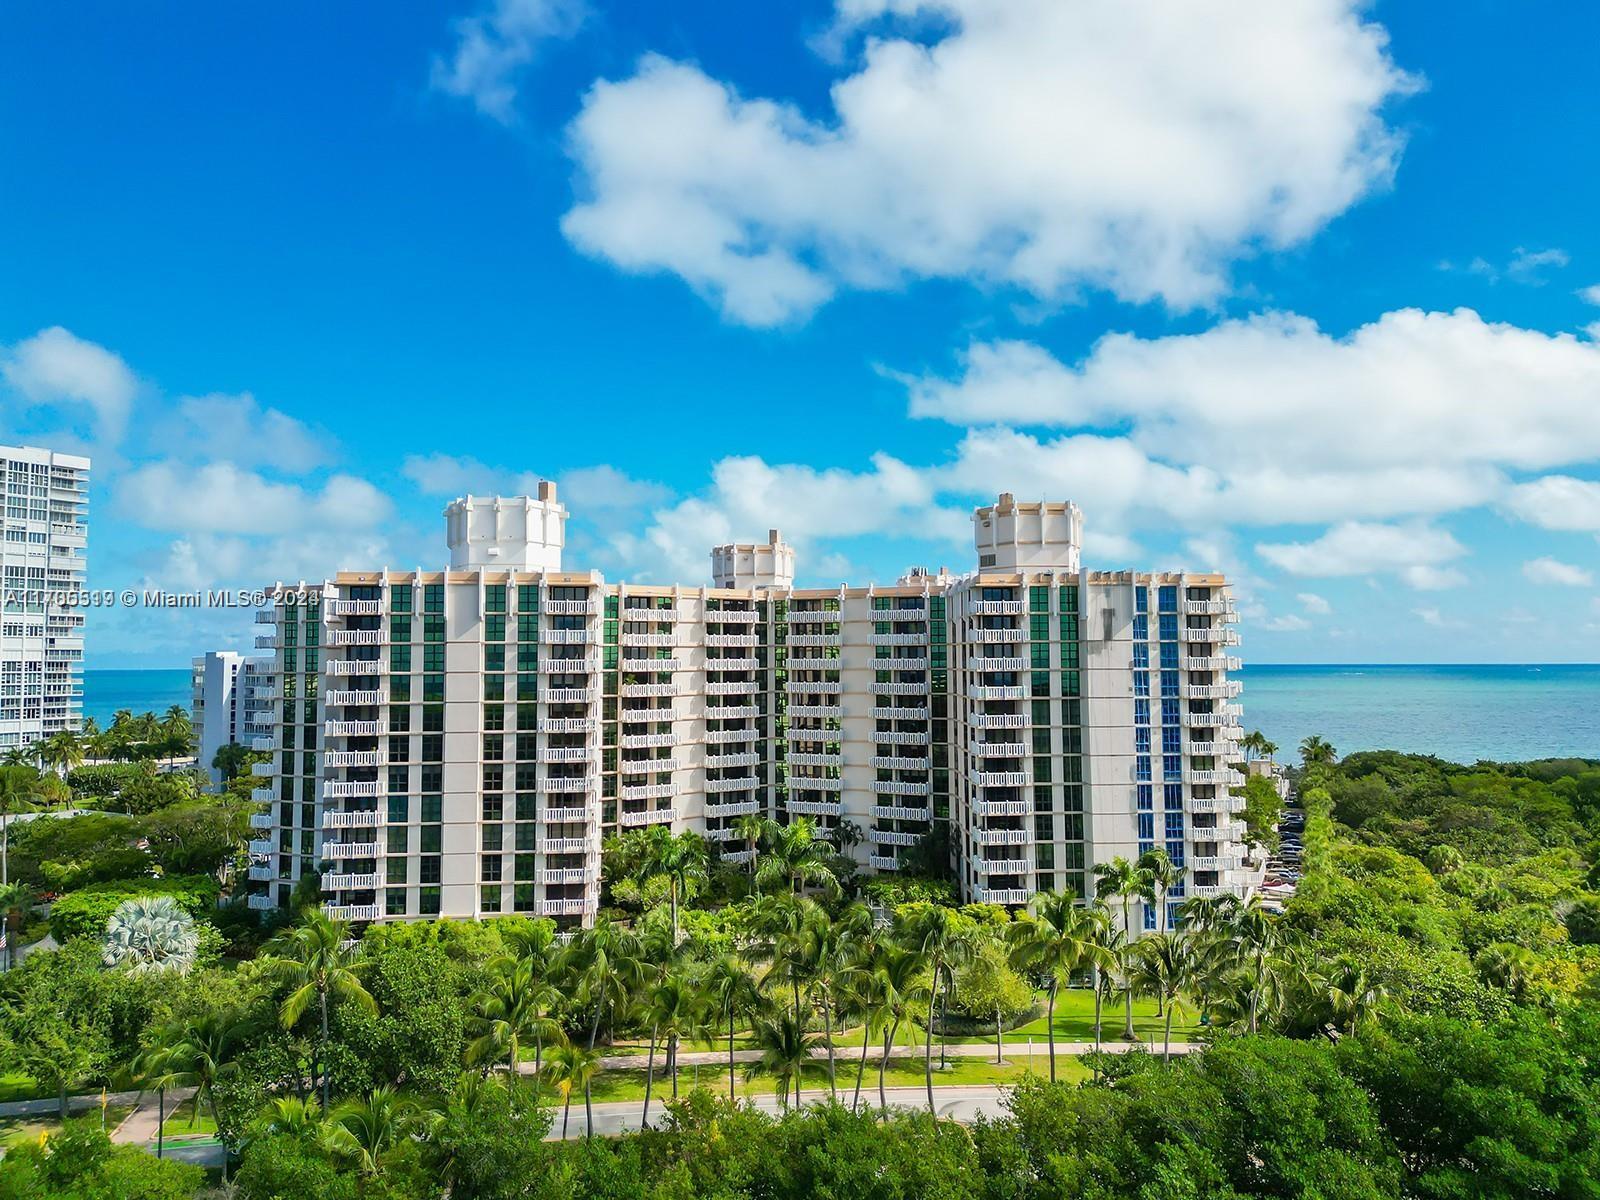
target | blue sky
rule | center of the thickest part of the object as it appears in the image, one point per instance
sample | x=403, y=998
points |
x=1294, y=289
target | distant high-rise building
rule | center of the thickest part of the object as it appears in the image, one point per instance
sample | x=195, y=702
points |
x=458, y=742
x=41, y=621
x=223, y=688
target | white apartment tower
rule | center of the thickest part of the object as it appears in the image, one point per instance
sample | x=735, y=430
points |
x=458, y=742
x=41, y=626
x=222, y=687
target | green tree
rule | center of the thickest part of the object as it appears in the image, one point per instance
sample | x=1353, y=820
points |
x=733, y=995
x=1164, y=967
x=315, y=964
x=796, y=858
x=1053, y=940
x=785, y=1051
x=571, y=1067
x=367, y=1131
x=1314, y=751
x=1122, y=880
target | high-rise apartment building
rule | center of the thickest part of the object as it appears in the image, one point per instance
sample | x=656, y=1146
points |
x=457, y=743
x=41, y=622
x=222, y=687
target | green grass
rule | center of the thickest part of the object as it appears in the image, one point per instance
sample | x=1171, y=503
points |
x=1075, y=1022
x=628, y=1084
x=14, y=1131
x=178, y=1125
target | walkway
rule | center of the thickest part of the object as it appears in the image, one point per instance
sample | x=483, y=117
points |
x=844, y=1050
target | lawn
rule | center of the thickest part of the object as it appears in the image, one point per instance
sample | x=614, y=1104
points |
x=628, y=1084
x=1075, y=1022
x=14, y=1131
x=178, y=1126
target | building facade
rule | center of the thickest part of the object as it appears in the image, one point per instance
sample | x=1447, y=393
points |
x=222, y=687
x=45, y=539
x=458, y=743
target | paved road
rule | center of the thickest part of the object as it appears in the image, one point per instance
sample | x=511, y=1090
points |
x=844, y=1051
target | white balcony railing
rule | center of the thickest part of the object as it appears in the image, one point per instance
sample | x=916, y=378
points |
x=649, y=816
x=351, y=912
x=901, y=812
x=999, y=749
x=998, y=779
x=994, y=608
x=1006, y=896
x=815, y=808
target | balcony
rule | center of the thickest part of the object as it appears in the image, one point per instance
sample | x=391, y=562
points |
x=994, y=608
x=917, y=688
x=567, y=724
x=1216, y=804
x=1002, y=866
x=997, y=693
x=1006, y=896
x=268, y=642
x=797, y=663
x=812, y=641
x=997, y=720
x=1002, y=808
x=903, y=663
x=262, y=795
x=984, y=637
x=649, y=816
x=900, y=737
x=814, y=808
x=367, y=819
x=737, y=783
x=731, y=616
x=728, y=762
x=1216, y=862
x=1007, y=663
x=647, y=715
x=897, y=639
x=714, y=737
x=266, y=616
x=731, y=712
x=577, y=845
x=364, y=698
x=649, y=791
x=568, y=695
x=645, y=691
x=561, y=875
x=588, y=664
x=575, y=907
x=882, y=862
x=892, y=837
x=261, y=821
x=656, y=641
x=999, y=749
x=1213, y=691
x=344, y=882
x=738, y=857
x=734, y=808
x=353, y=666
x=353, y=728
x=567, y=637
x=341, y=850
x=898, y=713
x=263, y=745
x=1214, y=662
x=1001, y=837
x=1205, y=608
x=802, y=617
x=820, y=687
x=339, y=789
x=565, y=785
x=747, y=662
x=355, y=637
x=901, y=787
x=261, y=874
x=894, y=762
x=261, y=847
x=915, y=612
x=650, y=741
x=355, y=758
x=998, y=779
x=260, y=770
x=732, y=641
x=566, y=754
x=351, y=912
x=809, y=759
x=649, y=613
x=571, y=608
x=565, y=816
x=900, y=812
x=815, y=712
x=259, y=903
x=1202, y=778
x=353, y=608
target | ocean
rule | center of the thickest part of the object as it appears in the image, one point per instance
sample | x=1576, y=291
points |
x=1462, y=713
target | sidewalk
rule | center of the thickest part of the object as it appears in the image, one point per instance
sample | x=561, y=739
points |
x=844, y=1050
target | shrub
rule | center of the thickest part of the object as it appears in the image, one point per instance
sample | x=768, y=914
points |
x=85, y=913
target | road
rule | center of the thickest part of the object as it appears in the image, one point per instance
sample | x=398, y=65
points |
x=844, y=1051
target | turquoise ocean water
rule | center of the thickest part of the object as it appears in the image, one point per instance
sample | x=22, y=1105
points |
x=1457, y=712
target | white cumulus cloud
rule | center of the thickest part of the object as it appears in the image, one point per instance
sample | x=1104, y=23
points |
x=55, y=367
x=1557, y=573
x=493, y=45
x=1049, y=145
x=1558, y=502
x=221, y=497
x=1415, y=552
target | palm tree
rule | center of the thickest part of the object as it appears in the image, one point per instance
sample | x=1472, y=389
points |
x=1353, y=1000
x=366, y=1131
x=778, y=923
x=1251, y=743
x=673, y=1007
x=1507, y=965
x=867, y=997
x=1257, y=937
x=1105, y=949
x=901, y=972
x=1163, y=966
x=939, y=934
x=732, y=994
x=296, y=1117
x=312, y=959
x=609, y=965
x=1314, y=750
x=1053, y=940
x=681, y=861
x=1123, y=880
x=796, y=857
x=1163, y=875
x=570, y=1067
x=785, y=1048
x=1268, y=749
x=195, y=1052
x=18, y=793
x=151, y=934
x=830, y=958
x=753, y=829
x=511, y=1011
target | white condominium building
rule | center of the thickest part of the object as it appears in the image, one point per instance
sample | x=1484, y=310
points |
x=223, y=686
x=41, y=635
x=458, y=743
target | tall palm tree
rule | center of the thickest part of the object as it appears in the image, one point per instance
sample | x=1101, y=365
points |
x=1162, y=875
x=830, y=958
x=1251, y=743
x=1053, y=940
x=366, y=1131
x=733, y=995
x=1122, y=880
x=1163, y=966
x=608, y=966
x=681, y=861
x=785, y=1048
x=902, y=974
x=1258, y=937
x=1314, y=750
x=778, y=924
x=753, y=829
x=571, y=1067
x=867, y=998
x=1353, y=1000
x=510, y=1011
x=312, y=959
x=941, y=936
x=196, y=1052
x=672, y=1008
x=797, y=858
x=19, y=791
x=1105, y=949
